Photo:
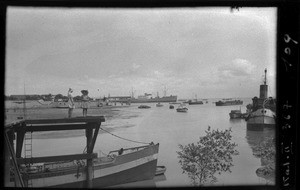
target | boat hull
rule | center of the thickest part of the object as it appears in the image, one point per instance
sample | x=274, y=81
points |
x=229, y=103
x=139, y=173
x=260, y=119
x=195, y=103
x=125, y=168
x=162, y=99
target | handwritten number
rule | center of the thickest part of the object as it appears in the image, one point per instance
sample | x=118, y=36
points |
x=286, y=63
x=287, y=106
x=287, y=51
x=287, y=39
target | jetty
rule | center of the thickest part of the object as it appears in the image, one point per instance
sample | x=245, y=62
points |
x=16, y=131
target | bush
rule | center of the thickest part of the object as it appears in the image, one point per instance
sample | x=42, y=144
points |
x=210, y=155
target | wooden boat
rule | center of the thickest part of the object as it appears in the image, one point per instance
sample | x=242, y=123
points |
x=79, y=170
x=144, y=107
x=235, y=114
x=160, y=170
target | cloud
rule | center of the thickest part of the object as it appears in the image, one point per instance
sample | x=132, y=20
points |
x=237, y=68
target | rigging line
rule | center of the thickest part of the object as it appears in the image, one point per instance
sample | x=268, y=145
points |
x=123, y=138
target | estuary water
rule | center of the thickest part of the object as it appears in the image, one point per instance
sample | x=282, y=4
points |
x=169, y=128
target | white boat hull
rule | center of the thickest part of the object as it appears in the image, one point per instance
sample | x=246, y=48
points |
x=261, y=118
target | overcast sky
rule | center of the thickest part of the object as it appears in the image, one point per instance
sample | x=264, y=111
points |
x=208, y=52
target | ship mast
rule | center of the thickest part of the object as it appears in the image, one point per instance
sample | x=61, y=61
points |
x=24, y=103
x=265, y=81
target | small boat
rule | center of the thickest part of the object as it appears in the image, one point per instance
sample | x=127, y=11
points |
x=159, y=105
x=144, y=107
x=182, y=108
x=171, y=107
x=235, y=114
x=160, y=170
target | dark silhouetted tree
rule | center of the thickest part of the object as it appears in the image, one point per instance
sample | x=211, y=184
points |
x=210, y=155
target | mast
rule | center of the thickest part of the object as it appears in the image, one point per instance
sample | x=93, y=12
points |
x=24, y=103
x=265, y=81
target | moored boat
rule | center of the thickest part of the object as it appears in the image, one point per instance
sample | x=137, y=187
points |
x=263, y=109
x=194, y=102
x=182, y=108
x=235, y=114
x=144, y=107
x=159, y=104
x=229, y=102
x=120, y=166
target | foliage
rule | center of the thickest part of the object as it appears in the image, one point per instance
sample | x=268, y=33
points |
x=211, y=154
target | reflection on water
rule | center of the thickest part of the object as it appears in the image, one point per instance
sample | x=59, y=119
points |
x=210, y=155
x=262, y=143
x=144, y=184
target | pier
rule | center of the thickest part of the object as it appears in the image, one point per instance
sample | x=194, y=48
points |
x=17, y=131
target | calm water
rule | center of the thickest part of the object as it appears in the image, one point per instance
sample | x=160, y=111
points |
x=169, y=128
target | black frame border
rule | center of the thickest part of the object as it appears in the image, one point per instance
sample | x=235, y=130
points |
x=287, y=67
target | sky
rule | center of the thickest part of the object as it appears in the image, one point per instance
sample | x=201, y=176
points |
x=203, y=52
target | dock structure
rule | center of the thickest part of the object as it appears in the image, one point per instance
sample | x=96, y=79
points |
x=17, y=130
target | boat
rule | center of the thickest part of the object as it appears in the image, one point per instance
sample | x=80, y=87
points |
x=235, y=114
x=263, y=109
x=227, y=102
x=146, y=98
x=182, y=108
x=144, y=107
x=194, y=102
x=159, y=105
x=121, y=166
x=171, y=107
x=160, y=170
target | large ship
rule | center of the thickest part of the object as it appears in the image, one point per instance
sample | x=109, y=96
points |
x=147, y=98
x=263, y=109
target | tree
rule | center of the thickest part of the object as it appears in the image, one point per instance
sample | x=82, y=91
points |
x=211, y=154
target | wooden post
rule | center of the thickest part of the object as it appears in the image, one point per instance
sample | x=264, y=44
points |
x=89, y=162
x=7, y=163
x=18, y=178
x=19, y=142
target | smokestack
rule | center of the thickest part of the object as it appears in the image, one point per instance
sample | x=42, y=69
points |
x=264, y=88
